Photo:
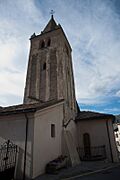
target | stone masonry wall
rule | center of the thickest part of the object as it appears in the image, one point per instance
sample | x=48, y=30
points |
x=50, y=73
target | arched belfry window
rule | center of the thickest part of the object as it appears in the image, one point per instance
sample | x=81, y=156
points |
x=44, y=66
x=49, y=42
x=42, y=44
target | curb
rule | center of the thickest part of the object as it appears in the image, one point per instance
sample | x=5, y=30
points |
x=90, y=173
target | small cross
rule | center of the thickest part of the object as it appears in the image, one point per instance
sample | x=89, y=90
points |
x=52, y=12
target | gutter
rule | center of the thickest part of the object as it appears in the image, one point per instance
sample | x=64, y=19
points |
x=26, y=141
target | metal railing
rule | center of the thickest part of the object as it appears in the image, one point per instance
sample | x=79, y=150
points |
x=92, y=153
x=8, y=152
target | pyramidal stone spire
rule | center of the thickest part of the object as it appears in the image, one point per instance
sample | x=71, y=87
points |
x=51, y=25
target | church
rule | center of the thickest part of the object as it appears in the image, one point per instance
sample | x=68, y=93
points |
x=49, y=123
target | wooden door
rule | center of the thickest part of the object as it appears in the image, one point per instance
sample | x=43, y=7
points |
x=87, y=144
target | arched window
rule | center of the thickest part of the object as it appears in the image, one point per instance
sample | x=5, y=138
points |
x=86, y=139
x=42, y=44
x=44, y=66
x=49, y=42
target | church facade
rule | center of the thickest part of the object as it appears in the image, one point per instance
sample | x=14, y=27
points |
x=49, y=123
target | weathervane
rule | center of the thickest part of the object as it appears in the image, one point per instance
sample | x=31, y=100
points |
x=52, y=12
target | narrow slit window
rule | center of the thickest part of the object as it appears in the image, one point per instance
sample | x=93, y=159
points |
x=42, y=44
x=67, y=51
x=44, y=66
x=52, y=130
x=49, y=42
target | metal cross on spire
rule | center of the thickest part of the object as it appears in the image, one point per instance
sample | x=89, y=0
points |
x=52, y=12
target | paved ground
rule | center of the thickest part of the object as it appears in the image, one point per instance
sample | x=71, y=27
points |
x=82, y=169
x=109, y=174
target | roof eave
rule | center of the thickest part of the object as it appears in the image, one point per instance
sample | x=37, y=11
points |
x=18, y=111
x=96, y=118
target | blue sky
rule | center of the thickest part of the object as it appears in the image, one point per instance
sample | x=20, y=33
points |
x=93, y=30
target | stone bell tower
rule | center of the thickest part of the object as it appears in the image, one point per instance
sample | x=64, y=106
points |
x=50, y=72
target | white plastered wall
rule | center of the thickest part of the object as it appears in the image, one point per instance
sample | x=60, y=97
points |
x=117, y=137
x=113, y=142
x=13, y=127
x=46, y=148
x=98, y=135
